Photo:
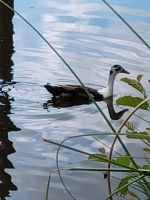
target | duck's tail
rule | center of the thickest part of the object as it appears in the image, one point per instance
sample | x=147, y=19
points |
x=54, y=90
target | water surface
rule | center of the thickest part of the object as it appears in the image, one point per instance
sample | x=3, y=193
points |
x=91, y=39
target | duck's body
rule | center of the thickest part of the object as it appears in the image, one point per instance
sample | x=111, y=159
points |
x=71, y=95
x=75, y=95
x=73, y=91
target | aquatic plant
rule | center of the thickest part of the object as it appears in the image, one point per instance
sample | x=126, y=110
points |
x=135, y=179
x=137, y=176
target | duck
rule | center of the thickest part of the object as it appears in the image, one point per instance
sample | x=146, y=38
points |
x=70, y=95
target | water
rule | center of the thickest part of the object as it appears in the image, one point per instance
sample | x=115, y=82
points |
x=91, y=39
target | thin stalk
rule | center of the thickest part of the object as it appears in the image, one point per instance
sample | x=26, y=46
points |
x=68, y=66
x=47, y=188
x=134, y=186
x=135, y=180
x=80, y=151
x=117, y=137
x=64, y=61
x=138, y=116
x=131, y=114
x=57, y=163
x=126, y=23
x=111, y=170
x=49, y=180
x=106, y=144
x=90, y=97
x=88, y=154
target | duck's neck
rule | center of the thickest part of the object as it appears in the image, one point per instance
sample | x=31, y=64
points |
x=111, y=83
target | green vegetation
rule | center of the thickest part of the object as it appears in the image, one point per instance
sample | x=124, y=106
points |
x=135, y=175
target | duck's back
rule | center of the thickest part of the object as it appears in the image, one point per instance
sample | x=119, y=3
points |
x=73, y=91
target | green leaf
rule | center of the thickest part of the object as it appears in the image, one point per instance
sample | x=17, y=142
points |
x=146, y=149
x=130, y=126
x=141, y=136
x=132, y=102
x=146, y=167
x=97, y=157
x=122, y=183
x=134, y=83
x=124, y=160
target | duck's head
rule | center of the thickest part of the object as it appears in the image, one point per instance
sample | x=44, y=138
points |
x=115, y=69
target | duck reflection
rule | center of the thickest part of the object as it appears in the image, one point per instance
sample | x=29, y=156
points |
x=59, y=103
x=6, y=76
x=112, y=113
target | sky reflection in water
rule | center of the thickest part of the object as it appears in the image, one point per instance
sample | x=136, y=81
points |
x=91, y=39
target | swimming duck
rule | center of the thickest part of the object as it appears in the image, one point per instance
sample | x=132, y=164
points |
x=69, y=95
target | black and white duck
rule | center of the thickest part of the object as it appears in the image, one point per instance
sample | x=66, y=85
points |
x=70, y=95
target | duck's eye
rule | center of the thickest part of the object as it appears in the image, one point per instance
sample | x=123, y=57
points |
x=111, y=72
x=118, y=69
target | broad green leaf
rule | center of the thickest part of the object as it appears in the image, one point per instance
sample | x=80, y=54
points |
x=122, y=183
x=134, y=83
x=97, y=157
x=132, y=102
x=141, y=136
x=146, y=167
x=124, y=160
x=146, y=149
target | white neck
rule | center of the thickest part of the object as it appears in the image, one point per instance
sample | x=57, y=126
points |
x=110, y=85
x=108, y=91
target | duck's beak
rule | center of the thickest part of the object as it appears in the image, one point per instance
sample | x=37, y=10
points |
x=125, y=71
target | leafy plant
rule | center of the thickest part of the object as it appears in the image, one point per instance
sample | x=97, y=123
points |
x=134, y=101
x=134, y=133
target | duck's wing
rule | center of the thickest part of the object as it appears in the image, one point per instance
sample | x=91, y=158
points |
x=61, y=89
x=73, y=90
x=55, y=90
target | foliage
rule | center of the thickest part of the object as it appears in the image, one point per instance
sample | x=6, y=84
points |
x=134, y=101
x=132, y=133
x=135, y=134
x=126, y=161
x=124, y=185
x=135, y=175
x=135, y=83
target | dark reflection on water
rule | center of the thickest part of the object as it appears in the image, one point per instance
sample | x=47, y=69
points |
x=113, y=114
x=90, y=38
x=63, y=103
x=6, y=42
x=6, y=76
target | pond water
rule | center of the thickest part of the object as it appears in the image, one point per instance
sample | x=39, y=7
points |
x=91, y=39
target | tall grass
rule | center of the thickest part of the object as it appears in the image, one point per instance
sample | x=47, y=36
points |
x=132, y=165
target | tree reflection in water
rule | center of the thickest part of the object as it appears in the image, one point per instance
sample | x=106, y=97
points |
x=6, y=77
